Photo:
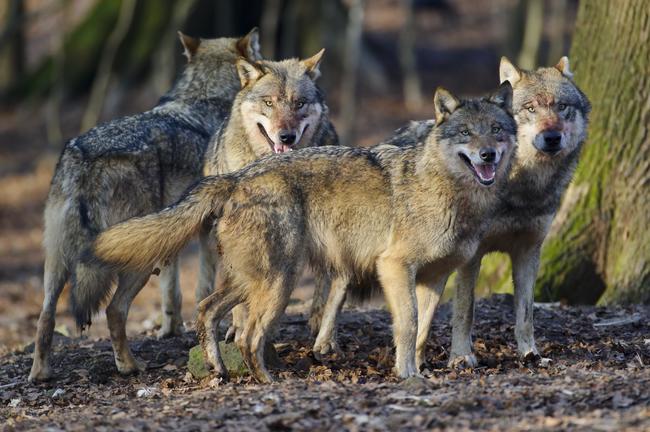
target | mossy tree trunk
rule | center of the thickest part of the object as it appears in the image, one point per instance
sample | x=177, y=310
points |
x=599, y=247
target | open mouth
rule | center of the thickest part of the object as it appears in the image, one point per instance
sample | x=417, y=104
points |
x=275, y=148
x=484, y=173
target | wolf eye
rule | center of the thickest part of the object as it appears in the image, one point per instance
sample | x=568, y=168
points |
x=496, y=129
x=300, y=104
x=531, y=109
x=561, y=106
x=268, y=103
x=464, y=132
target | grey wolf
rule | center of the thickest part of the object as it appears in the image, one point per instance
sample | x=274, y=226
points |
x=346, y=212
x=124, y=168
x=280, y=108
x=552, y=116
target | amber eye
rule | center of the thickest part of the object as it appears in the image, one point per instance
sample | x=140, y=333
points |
x=496, y=129
x=300, y=104
x=268, y=103
x=464, y=132
x=531, y=109
x=561, y=107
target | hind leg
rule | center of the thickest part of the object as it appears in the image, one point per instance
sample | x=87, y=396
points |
x=129, y=285
x=461, y=336
x=55, y=276
x=326, y=339
x=265, y=306
x=172, y=320
x=207, y=264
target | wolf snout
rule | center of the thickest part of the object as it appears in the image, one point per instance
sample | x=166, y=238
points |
x=549, y=141
x=487, y=154
x=287, y=136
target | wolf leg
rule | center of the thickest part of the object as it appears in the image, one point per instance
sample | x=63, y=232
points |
x=239, y=318
x=55, y=276
x=326, y=339
x=128, y=286
x=207, y=264
x=269, y=303
x=525, y=263
x=398, y=283
x=211, y=310
x=428, y=296
x=172, y=320
x=322, y=284
x=463, y=317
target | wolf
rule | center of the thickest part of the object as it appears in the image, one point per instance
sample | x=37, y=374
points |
x=552, y=118
x=279, y=109
x=129, y=167
x=347, y=212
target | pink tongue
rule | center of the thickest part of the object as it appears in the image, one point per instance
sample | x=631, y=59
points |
x=281, y=148
x=486, y=171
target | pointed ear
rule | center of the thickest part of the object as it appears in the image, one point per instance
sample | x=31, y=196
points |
x=312, y=64
x=503, y=97
x=249, y=45
x=508, y=72
x=248, y=72
x=563, y=67
x=444, y=104
x=190, y=45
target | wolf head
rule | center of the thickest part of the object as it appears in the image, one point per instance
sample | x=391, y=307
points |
x=280, y=104
x=476, y=136
x=210, y=71
x=550, y=110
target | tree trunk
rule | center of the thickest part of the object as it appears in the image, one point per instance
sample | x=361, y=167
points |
x=599, y=246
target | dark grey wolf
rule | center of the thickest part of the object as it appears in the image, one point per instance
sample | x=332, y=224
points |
x=129, y=167
x=346, y=212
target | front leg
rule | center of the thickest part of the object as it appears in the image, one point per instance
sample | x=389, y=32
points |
x=463, y=317
x=398, y=282
x=326, y=339
x=525, y=264
x=322, y=284
x=170, y=290
x=428, y=296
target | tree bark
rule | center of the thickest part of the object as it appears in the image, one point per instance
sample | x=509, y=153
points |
x=599, y=246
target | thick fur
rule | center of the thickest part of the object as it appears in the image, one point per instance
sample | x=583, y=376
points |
x=346, y=212
x=129, y=167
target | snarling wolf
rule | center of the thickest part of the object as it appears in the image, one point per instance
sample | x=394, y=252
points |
x=346, y=212
x=552, y=115
x=129, y=167
x=280, y=108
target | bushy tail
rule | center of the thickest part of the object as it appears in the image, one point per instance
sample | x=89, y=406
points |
x=139, y=243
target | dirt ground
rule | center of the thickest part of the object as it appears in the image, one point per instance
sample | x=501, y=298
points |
x=597, y=379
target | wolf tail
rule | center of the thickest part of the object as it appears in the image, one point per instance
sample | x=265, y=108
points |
x=139, y=243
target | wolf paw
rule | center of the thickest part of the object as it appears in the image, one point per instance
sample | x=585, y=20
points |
x=323, y=348
x=131, y=366
x=532, y=357
x=170, y=331
x=39, y=372
x=466, y=361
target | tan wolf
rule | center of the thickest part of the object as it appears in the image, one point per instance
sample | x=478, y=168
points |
x=347, y=212
x=280, y=108
x=129, y=167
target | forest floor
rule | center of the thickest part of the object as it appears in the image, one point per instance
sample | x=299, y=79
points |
x=597, y=379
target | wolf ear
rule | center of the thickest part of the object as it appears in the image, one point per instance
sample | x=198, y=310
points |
x=444, y=104
x=503, y=97
x=312, y=64
x=248, y=72
x=508, y=72
x=249, y=45
x=563, y=67
x=190, y=45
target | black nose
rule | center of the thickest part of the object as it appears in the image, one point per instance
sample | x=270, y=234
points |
x=487, y=154
x=552, y=140
x=287, y=137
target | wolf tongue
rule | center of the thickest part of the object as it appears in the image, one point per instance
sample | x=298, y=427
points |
x=486, y=171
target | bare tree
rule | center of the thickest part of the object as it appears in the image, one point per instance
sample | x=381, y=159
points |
x=269, y=27
x=410, y=78
x=103, y=77
x=12, y=43
x=350, y=71
x=532, y=34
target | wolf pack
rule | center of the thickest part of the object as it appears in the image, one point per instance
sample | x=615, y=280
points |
x=242, y=155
